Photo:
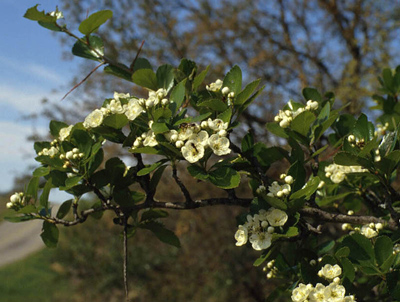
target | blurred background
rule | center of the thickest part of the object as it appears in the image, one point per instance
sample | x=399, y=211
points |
x=332, y=45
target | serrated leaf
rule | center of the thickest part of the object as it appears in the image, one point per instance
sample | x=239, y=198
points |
x=49, y=234
x=200, y=78
x=245, y=94
x=198, y=172
x=312, y=94
x=233, y=80
x=165, y=77
x=155, y=179
x=275, y=202
x=178, y=95
x=119, y=71
x=162, y=233
x=35, y=15
x=302, y=123
x=383, y=249
x=15, y=219
x=225, y=178
x=159, y=128
x=150, y=168
x=145, y=150
x=41, y=171
x=28, y=209
x=274, y=128
x=308, y=190
x=348, y=271
x=342, y=252
x=214, y=104
x=64, y=209
x=44, y=197
x=145, y=78
x=93, y=52
x=361, y=249
x=94, y=21
x=153, y=214
x=56, y=126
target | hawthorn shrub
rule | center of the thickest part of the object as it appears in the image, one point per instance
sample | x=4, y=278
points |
x=340, y=181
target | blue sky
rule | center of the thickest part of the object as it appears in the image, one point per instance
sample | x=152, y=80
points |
x=31, y=69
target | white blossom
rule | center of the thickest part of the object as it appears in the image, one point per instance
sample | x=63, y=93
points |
x=300, y=293
x=276, y=217
x=330, y=271
x=150, y=140
x=219, y=145
x=260, y=241
x=192, y=151
x=216, y=86
x=94, y=119
x=65, y=132
x=133, y=109
x=241, y=235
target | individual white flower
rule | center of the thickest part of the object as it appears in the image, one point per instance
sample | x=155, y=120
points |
x=300, y=293
x=330, y=271
x=150, y=140
x=118, y=96
x=192, y=151
x=241, y=235
x=335, y=292
x=115, y=107
x=276, y=217
x=201, y=138
x=368, y=232
x=216, y=86
x=65, y=132
x=273, y=189
x=185, y=133
x=217, y=124
x=260, y=241
x=318, y=294
x=133, y=109
x=219, y=145
x=94, y=119
x=9, y=205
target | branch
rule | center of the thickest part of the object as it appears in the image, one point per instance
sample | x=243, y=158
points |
x=181, y=185
x=321, y=215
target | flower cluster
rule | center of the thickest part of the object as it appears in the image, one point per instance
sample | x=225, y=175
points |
x=337, y=173
x=333, y=292
x=193, y=141
x=285, y=117
x=320, y=293
x=370, y=230
x=17, y=200
x=125, y=104
x=64, y=133
x=354, y=141
x=216, y=86
x=381, y=129
x=271, y=268
x=277, y=190
x=259, y=228
x=396, y=249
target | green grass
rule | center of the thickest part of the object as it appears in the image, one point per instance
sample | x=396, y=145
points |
x=32, y=279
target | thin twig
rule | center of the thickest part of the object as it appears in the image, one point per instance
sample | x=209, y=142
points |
x=137, y=55
x=181, y=185
x=126, y=258
x=81, y=82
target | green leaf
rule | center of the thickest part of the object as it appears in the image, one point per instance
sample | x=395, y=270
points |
x=162, y=233
x=302, y=123
x=200, y=78
x=71, y=182
x=44, y=197
x=226, y=116
x=156, y=177
x=275, y=202
x=145, y=150
x=83, y=141
x=165, y=77
x=393, y=283
x=116, y=121
x=111, y=134
x=150, y=168
x=153, y=214
x=64, y=209
x=383, y=249
x=325, y=247
x=49, y=234
x=15, y=219
x=123, y=197
x=141, y=63
x=198, y=172
x=327, y=200
x=263, y=257
x=361, y=249
x=389, y=162
x=248, y=142
x=233, y=80
x=225, y=178
x=119, y=71
x=94, y=21
x=28, y=209
x=145, y=78
x=159, y=128
x=162, y=112
x=308, y=190
x=244, y=95
x=137, y=196
x=292, y=232
x=95, y=162
x=348, y=159
x=277, y=130
x=35, y=15
x=115, y=168
x=387, y=264
x=348, y=271
x=312, y=94
x=388, y=82
x=56, y=126
x=214, y=104
x=298, y=172
x=342, y=252
x=41, y=171
x=178, y=95
x=93, y=52
x=362, y=129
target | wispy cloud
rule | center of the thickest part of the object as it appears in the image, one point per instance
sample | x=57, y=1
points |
x=39, y=72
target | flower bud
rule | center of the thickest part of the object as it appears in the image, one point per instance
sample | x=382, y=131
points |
x=222, y=133
x=69, y=155
x=225, y=90
x=289, y=179
x=179, y=144
x=9, y=205
x=75, y=150
x=271, y=230
x=351, y=138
